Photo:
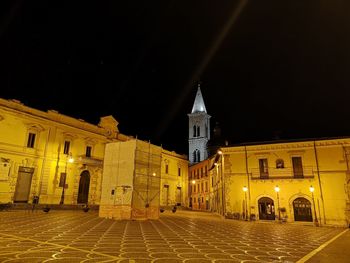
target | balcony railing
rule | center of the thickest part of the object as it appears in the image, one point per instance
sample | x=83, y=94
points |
x=91, y=160
x=282, y=173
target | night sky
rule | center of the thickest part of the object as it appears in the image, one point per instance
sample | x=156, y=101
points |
x=268, y=68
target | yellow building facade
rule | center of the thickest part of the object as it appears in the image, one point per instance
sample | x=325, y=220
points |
x=41, y=152
x=57, y=159
x=174, y=179
x=295, y=181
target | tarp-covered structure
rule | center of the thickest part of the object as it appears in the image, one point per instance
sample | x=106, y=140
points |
x=131, y=180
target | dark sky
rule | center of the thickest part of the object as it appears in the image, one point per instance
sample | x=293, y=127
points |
x=281, y=67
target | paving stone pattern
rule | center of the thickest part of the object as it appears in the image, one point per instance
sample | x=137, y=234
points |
x=75, y=236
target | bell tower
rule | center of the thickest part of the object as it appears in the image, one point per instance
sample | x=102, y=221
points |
x=198, y=130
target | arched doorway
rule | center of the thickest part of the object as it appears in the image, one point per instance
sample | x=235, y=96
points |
x=266, y=209
x=84, y=184
x=302, y=209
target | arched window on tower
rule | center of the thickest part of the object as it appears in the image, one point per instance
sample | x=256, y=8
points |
x=198, y=156
x=194, y=131
x=195, y=156
x=198, y=131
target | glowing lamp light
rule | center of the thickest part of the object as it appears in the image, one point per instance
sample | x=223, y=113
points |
x=154, y=174
x=71, y=159
x=312, y=189
x=193, y=181
x=245, y=189
x=219, y=152
x=277, y=189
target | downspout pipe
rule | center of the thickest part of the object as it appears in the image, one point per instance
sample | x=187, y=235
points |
x=319, y=182
x=248, y=179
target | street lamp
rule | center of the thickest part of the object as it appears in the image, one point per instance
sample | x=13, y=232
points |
x=69, y=159
x=277, y=189
x=312, y=189
x=192, y=198
x=245, y=189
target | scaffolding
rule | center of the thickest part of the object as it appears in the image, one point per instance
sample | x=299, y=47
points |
x=146, y=181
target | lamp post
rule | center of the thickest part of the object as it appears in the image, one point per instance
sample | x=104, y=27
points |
x=217, y=186
x=68, y=160
x=245, y=189
x=193, y=183
x=312, y=189
x=277, y=189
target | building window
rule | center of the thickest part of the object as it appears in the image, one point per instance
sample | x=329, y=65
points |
x=88, y=151
x=31, y=140
x=206, y=171
x=206, y=186
x=179, y=171
x=201, y=171
x=66, y=147
x=198, y=131
x=297, y=167
x=194, y=131
x=212, y=182
x=166, y=168
x=263, y=167
x=279, y=163
x=196, y=156
x=202, y=187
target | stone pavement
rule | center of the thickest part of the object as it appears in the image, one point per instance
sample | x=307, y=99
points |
x=185, y=236
x=337, y=251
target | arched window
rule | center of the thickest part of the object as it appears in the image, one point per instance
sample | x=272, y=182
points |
x=198, y=131
x=195, y=156
x=198, y=156
x=194, y=131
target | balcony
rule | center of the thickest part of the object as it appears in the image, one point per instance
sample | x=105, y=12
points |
x=93, y=161
x=282, y=173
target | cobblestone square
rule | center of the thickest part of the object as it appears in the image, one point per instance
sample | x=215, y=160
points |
x=184, y=236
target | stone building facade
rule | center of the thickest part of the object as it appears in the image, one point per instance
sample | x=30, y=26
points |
x=294, y=181
x=57, y=159
x=199, y=186
x=37, y=150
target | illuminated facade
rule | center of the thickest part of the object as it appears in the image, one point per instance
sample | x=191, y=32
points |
x=295, y=181
x=41, y=152
x=35, y=150
x=199, y=186
x=174, y=179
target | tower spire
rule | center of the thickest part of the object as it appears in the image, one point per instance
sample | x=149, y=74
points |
x=198, y=105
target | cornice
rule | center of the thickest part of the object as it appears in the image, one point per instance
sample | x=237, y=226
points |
x=289, y=146
x=17, y=107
